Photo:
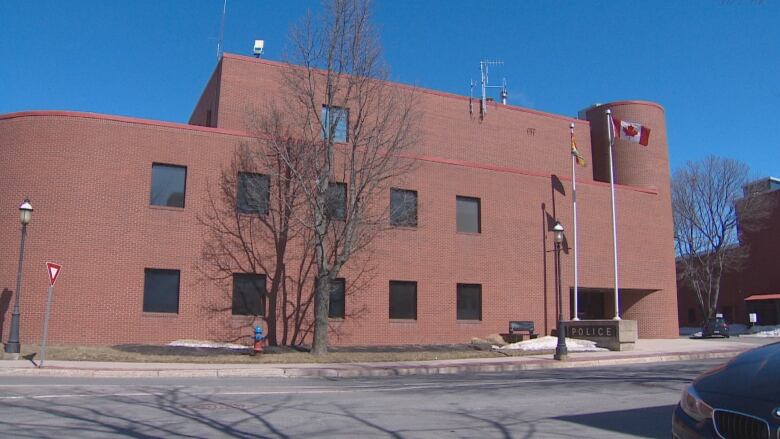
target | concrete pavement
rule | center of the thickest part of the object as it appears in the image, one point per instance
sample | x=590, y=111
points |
x=646, y=351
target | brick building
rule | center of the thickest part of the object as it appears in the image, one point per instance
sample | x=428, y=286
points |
x=755, y=287
x=128, y=257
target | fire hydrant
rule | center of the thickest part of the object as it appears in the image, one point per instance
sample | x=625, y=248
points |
x=258, y=346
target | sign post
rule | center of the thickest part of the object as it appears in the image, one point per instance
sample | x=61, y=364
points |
x=54, y=271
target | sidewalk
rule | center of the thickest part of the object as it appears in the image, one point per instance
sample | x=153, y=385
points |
x=646, y=351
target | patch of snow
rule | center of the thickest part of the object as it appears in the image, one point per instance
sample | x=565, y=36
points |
x=548, y=343
x=764, y=331
x=738, y=329
x=773, y=333
x=205, y=344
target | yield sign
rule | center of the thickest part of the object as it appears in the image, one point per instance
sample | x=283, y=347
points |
x=54, y=271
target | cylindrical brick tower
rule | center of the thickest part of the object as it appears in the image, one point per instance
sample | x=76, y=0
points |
x=634, y=164
x=646, y=168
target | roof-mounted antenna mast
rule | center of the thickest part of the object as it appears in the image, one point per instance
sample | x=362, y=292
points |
x=484, y=67
x=221, y=31
x=471, y=98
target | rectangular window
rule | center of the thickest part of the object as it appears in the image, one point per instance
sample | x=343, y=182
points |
x=469, y=302
x=403, y=300
x=168, y=182
x=252, y=193
x=336, y=203
x=248, y=294
x=468, y=214
x=403, y=208
x=338, y=119
x=337, y=290
x=161, y=290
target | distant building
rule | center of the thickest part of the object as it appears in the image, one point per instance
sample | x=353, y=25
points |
x=756, y=287
x=116, y=202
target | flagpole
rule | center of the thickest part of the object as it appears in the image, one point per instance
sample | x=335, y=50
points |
x=614, y=223
x=574, y=203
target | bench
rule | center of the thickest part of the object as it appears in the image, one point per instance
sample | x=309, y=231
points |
x=517, y=331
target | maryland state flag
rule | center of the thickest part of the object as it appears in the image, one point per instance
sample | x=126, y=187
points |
x=633, y=132
x=574, y=152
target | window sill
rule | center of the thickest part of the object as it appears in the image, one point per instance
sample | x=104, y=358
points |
x=158, y=207
x=470, y=322
x=160, y=315
x=469, y=233
x=397, y=227
x=403, y=320
x=336, y=319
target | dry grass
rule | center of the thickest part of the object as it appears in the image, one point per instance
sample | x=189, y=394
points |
x=165, y=354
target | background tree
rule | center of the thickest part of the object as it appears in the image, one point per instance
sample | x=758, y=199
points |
x=358, y=127
x=705, y=196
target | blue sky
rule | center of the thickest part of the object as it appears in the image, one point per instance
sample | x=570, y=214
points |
x=714, y=65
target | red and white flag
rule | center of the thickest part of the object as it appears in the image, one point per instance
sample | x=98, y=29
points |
x=633, y=132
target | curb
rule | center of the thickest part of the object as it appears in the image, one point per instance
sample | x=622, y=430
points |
x=351, y=370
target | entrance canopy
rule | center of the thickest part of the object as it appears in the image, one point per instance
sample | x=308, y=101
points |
x=763, y=297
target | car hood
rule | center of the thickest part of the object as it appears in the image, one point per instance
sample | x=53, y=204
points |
x=752, y=374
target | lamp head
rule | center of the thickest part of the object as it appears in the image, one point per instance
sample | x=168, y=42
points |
x=558, y=233
x=25, y=211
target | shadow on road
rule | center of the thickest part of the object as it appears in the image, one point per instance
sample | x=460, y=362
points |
x=636, y=422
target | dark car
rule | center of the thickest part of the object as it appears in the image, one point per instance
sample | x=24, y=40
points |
x=740, y=399
x=715, y=326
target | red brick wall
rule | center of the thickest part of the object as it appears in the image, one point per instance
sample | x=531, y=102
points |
x=88, y=179
x=206, y=111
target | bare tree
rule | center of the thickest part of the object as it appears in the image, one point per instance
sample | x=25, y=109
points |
x=705, y=196
x=358, y=127
x=250, y=229
x=330, y=148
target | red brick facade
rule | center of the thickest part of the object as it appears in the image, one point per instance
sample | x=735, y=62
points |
x=88, y=177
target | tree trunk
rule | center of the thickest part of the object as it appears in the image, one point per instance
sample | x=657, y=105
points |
x=321, y=302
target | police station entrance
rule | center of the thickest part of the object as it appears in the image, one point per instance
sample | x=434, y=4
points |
x=593, y=304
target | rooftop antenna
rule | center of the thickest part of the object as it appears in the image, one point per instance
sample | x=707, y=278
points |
x=484, y=70
x=221, y=31
x=471, y=98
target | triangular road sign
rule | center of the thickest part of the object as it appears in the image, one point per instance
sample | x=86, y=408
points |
x=54, y=271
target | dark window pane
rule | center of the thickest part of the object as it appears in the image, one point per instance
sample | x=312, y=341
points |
x=248, y=294
x=403, y=300
x=403, y=207
x=337, y=290
x=339, y=117
x=469, y=302
x=168, y=185
x=336, y=203
x=161, y=290
x=468, y=214
x=252, y=194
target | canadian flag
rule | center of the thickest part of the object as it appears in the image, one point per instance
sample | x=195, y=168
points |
x=633, y=132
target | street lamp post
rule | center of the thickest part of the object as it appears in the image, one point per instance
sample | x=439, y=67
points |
x=561, y=353
x=25, y=214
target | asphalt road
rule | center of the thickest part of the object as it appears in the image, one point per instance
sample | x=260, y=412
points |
x=616, y=401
